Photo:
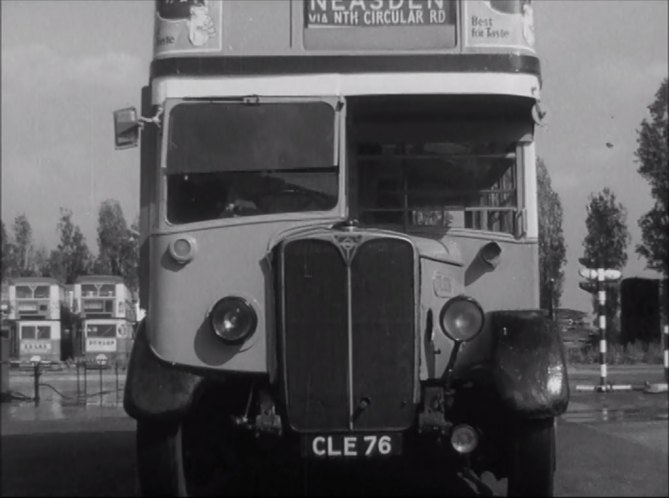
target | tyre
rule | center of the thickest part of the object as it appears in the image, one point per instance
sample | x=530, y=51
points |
x=198, y=456
x=532, y=458
x=160, y=459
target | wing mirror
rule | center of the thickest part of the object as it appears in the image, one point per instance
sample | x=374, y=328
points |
x=126, y=128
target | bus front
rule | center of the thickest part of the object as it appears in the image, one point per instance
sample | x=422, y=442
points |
x=339, y=240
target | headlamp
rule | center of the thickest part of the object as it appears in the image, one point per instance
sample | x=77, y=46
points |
x=461, y=318
x=233, y=319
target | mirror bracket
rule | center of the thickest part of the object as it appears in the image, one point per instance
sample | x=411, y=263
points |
x=156, y=119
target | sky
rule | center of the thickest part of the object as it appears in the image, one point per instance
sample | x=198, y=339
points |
x=66, y=65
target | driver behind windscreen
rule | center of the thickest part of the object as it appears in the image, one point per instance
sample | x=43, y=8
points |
x=244, y=192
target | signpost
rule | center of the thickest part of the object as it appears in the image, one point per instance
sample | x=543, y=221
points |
x=599, y=277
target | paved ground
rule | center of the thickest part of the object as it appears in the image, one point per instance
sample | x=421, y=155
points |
x=608, y=444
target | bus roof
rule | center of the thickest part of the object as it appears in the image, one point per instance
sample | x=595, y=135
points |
x=34, y=280
x=88, y=279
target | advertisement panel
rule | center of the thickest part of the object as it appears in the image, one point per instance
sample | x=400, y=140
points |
x=100, y=345
x=35, y=346
x=188, y=26
x=506, y=24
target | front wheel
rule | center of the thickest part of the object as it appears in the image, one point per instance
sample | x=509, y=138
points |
x=199, y=456
x=160, y=459
x=532, y=458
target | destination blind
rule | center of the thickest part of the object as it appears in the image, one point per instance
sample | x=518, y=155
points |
x=378, y=13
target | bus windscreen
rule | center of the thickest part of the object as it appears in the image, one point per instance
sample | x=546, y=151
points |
x=232, y=159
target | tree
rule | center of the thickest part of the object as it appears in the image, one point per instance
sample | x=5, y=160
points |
x=653, y=157
x=118, y=253
x=552, y=248
x=132, y=278
x=23, y=247
x=40, y=263
x=8, y=255
x=72, y=257
x=605, y=245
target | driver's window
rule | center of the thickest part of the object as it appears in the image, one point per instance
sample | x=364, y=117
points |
x=232, y=159
x=205, y=196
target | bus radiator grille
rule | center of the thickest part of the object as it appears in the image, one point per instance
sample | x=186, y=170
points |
x=348, y=346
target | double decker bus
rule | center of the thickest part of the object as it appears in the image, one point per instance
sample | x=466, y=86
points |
x=7, y=338
x=339, y=240
x=35, y=305
x=106, y=314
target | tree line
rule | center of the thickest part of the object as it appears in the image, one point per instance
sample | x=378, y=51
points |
x=118, y=252
x=607, y=235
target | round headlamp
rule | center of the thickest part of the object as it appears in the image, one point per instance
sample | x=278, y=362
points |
x=461, y=319
x=464, y=439
x=233, y=319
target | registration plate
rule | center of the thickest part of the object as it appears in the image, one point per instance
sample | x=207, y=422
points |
x=351, y=445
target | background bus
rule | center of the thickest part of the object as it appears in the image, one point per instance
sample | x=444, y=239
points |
x=35, y=308
x=106, y=318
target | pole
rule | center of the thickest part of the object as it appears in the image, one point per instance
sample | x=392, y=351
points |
x=100, y=367
x=85, y=378
x=551, y=312
x=601, y=309
x=116, y=371
x=666, y=352
x=663, y=288
x=36, y=374
x=76, y=362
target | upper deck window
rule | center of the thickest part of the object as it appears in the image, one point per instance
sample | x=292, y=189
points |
x=93, y=290
x=24, y=292
x=28, y=292
x=233, y=159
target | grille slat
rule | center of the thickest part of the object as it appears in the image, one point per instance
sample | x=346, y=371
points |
x=315, y=337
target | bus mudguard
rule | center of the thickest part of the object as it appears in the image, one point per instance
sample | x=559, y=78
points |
x=529, y=369
x=154, y=390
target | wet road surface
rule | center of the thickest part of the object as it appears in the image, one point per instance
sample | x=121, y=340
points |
x=608, y=444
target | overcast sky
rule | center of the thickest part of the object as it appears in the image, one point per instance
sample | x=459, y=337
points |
x=67, y=65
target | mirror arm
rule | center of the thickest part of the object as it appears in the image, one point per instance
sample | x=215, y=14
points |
x=156, y=119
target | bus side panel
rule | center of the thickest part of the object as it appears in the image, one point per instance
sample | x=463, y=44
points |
x=147, y=165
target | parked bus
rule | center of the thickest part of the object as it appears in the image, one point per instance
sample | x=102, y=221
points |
x=339, y=240
x=7, y=339
x=35, y=309
x=106, y=314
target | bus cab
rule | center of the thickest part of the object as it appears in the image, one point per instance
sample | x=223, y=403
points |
x=339, y=237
